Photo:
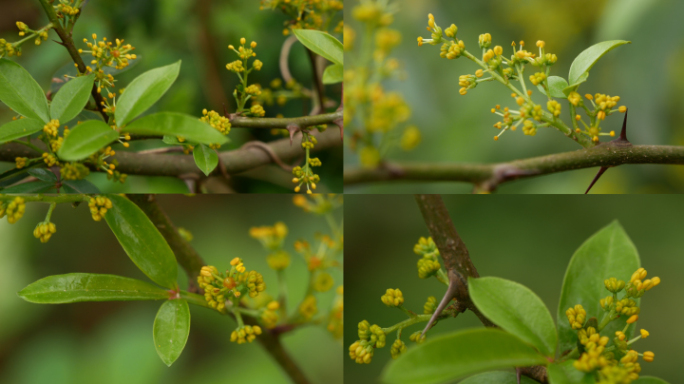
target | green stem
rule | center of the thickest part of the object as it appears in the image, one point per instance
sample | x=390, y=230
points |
x=284, y=122
x=282, y=293
x=407, y=323
x=49, y=212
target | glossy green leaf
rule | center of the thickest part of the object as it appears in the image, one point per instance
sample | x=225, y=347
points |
x=76, y=287
x=565, y=373
x=455, y=355
x=176, y=124
x=171, y=329
x=142, y=241
x=321, y=43
x=71, y=98
x=608, y=253
x=31, y=187
x=579, y=70
x=649, y=380
x=144, y=91
x=205, y=158
x=333, y=74
x=556, y=86
x=19, y=128
x=79, y=186
x=86, y=139
x=497, y=377
x=19, y=91
x=43, y=174
x=516, y=309
x=14, y=175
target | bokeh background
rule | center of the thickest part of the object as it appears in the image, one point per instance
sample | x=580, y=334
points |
x=647, y=75
x=112, y=342
x=525, y=239
x=198, y=33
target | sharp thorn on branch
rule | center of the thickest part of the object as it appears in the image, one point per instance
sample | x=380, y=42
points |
x=293, y=128
x=598, y=175
x=623, y=133
x=59, y=42
x=448, y=295
x=518, y=373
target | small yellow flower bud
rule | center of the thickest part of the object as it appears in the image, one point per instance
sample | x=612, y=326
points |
x=648, y=356
x=632, y=319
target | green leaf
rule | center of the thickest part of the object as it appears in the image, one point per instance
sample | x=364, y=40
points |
x=579, y=70
x=19, y=128
x=43, y=174
x=333, y=74
x=71, y=98
x=608, y=253
x=516, y=309
x=556, y=86
x=321, y=43
x=79, y=186
x=171, y=140
x=86, y=139
x=459, y=354
x=565, y=373
x=76, y=287
x=32, y=187
x=205, y=158
x=14, y=175
x=171, y=329
x=176, y=124
x=142, y=241
x=19, y=91
x=497, y=378
x=144, y=91
x=649, y=380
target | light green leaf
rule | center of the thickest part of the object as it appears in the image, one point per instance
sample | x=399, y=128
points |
x=649, y=380
x=32, y=187
x=497, y=377
x=556, y=86
x=619, y=17
x=565, y=373
x=460, y=354
x=171, y=329
x=608, y=253
x=86, y=139
x=76, y=287
x=516, y=309
x=79, y=186
x=176, y=124
x=579, y=70
x=19, y=128
x=144, y=91
x=333, y=74
x=19, y=91
x=43, y=174
x=321, y=43
x=205, y=158
x=142, y=241
x=71, y=98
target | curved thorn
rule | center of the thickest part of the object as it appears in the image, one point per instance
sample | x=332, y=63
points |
x=598, y=175
x=448, y=295
x=623, y=133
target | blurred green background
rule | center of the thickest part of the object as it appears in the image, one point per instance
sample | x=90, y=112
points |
x=198, y=33
x=526, y=239
x=647, y=75
x=112, y=342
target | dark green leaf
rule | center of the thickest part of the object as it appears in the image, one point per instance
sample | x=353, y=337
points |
x=142, y=241
x=171, y=329
x=43, y=174
x=565, y=373
x=497, y=378
x=14, y=175
x=76, y=287
x=86, y=139
x=579, y=70
x=19, y=91
x=205, y=158
x=460, y=354
x=321, y=43
x=608, y=253
x=649, y=380
x=80, y=186
x=333, y=74
x=144, y=91
x=71, y=99
x=31, y=187
x=176, y=124
x=19, y=128
x=556, y=86
x=516, y=309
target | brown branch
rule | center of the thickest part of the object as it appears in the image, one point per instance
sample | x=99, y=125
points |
x=213, y=84
x=284, y=122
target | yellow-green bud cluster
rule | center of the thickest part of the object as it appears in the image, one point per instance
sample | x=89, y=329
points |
x=255, y=283
x=427, y=267
x=430, y=305
x=529, y=128
x=452, y=49
x=278, y=260
x=554, y=107
x=21, y=162
x=398, y=347
x=466, y=82
x=417, y=338
x=271, y=237
x=51, y=128
x=322, y=282
x=66, y=7
x=245, y=334
x=485, y=40
x=74, y=171
x=44, y=231
x=308, y=308
x=99, y=206
x=370, y=337
x=218, y=122
x=393, y=298
x=14, y=210
x=269, y=317
x=638, y=286
x=538, y=78
x=614, y=285
x=220, y=288
x=576, y=316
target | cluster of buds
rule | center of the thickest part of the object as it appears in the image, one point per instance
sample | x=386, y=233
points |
x=245, y=334
x=40, y=35
x=73, y=171
x=307, y=14
x=602, y=106
x=271, y=237
x=107, y=54
x=398, y=347
x=222, y=288
x=393, y=298
x=428, y=265
x=370, y=337
x=269, y=315
x=308, y=308
x=306, y=175
x=44, y=231
x=218, y=122
x=66, y=8
x=14, y=210
x=243, y=92
x=99, y=206
x=318, y=203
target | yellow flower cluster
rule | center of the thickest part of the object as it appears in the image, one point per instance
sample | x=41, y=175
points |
x=398, y=347
x=370, y=337
x=74, y=171
x=41, y=35
x=430, y=305
x=44, y=231
x=99, y=206
x=428, y=265
x=269, y=316
x=308, y=307
x=51, y=128
x=220, y=288
x=20, y=162
x=218, y=122
x=305, y=175
x=270, y=237
x=107, y=54
x=322, y=282
x=393, y=298
x=245, y=334
x=255, y=283
x=66, y=7
x=307, y=14
x=417, y=337
x=278, y=260
x=50, y=159
x=576, y=316
x=14, y=210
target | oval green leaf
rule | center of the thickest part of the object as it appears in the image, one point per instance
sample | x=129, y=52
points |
x=176, y=124
x=579, y=70
x=649, y=380
x=321, y=43
x=19, y=91
x=171, y=330
x=556, y=86
x=43, y=174
x=31, y=187
x=86, y=139
x=79, y=186
x=460, y=354
x=71, y=98
x=565, y=373
x=333, y=74
x=205, y=158
x=497, y=377
x=144, y=91
x=608, y=253
x=142, y=241
x=77, y=287
x=516, y=309
x=19, y=128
